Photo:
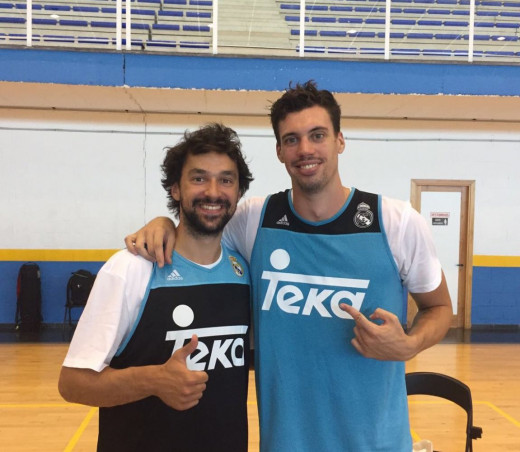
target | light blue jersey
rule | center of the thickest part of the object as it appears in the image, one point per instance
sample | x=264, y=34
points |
x=315, y=391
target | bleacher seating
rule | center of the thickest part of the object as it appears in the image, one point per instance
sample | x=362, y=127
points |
x=158, y=24
x=417, y=27
x=432, y=28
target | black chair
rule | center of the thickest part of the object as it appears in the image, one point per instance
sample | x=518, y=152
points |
x=79, y=286
x=439, y=385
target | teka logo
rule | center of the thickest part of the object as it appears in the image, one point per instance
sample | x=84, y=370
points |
x=228, y=352
x=319, y=293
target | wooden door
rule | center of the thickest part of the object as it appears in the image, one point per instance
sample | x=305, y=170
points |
x=461, y=295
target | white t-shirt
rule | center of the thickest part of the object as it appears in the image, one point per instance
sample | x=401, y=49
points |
x=111, y=311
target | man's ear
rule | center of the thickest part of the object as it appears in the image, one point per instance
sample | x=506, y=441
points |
x=279, y=153
x=175, y=192
x=341, y=142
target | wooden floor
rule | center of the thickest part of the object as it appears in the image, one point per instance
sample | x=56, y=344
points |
x=33, y=417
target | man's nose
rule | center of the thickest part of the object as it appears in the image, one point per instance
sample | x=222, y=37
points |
x=305, y=146
x=212, y=188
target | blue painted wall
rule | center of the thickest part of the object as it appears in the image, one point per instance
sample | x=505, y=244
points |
x=218, y=72
x=54, y=278
x=496, y=296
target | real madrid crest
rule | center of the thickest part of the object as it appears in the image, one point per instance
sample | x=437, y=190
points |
x=364, y=217
x=237, y=268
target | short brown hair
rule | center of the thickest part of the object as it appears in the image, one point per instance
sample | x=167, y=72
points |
x=301, y=97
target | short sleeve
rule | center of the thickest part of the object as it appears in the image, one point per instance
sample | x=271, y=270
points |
x=111, y=311
x=411, y=244
x=240, y=232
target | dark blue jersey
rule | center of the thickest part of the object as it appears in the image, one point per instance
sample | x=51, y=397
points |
x=183, y=299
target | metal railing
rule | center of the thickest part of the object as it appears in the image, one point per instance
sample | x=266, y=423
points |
x=215, y=32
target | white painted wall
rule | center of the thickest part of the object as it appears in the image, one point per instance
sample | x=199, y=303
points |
x=80, y=180
x=394, y=152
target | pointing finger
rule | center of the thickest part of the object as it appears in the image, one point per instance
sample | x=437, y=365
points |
x=361, y=321
x=352, y=311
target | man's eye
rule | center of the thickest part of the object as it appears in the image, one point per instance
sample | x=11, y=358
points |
x=290, y=140
x=318, y=136
x=227, y=181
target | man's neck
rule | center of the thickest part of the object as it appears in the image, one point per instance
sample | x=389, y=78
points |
x=320, y=206
x=201, y=249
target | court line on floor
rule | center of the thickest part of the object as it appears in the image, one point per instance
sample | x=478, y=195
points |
x=475, y=402
x=39, y=405
x=93, y=411
x=415, y=437
x=77, y=435
x=499, y=411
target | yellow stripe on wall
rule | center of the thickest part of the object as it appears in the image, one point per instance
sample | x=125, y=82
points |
x=56, y=255
x=496, y=261
x=103, y=255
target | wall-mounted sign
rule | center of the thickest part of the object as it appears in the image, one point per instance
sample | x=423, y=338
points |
x=439, y=218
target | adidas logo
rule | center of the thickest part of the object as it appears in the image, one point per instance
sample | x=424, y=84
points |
x=283, y=221
x=174, y=276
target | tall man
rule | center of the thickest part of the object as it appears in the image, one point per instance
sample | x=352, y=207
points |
x=330, y=265
x=164, y=351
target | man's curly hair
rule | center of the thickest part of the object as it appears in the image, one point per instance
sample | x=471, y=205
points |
x=209, y=138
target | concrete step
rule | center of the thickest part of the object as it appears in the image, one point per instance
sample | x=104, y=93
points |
x=248, y=22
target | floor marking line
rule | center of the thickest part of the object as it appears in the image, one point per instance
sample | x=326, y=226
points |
x=415, y=437
x=38, y=405
x=77, y=435
x=475, y=402
x=501, y=412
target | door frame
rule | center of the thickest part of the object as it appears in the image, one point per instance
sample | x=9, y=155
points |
x=467, y=190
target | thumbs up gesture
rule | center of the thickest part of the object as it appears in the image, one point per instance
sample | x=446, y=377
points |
x=180, y=387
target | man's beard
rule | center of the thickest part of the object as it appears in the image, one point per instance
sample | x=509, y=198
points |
x=310, y=188
x=309, y=185
x=195, y=222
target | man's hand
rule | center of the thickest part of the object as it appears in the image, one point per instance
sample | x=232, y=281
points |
x=154, y=241
x=172, y=382
x=182, y=388
x=385, y=340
